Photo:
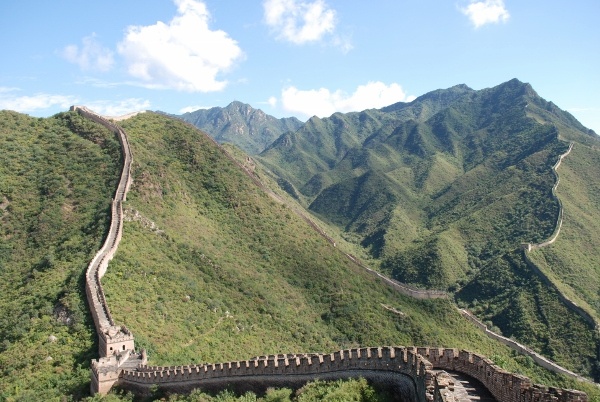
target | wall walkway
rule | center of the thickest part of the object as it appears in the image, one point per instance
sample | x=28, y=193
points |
x=539, y=359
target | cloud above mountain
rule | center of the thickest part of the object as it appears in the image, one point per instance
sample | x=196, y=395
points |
x=91, y=55
x=120, y=107
x=10, y=100
x=299, y=22
x=184, y=54
x=486, y=12
x=322, y=102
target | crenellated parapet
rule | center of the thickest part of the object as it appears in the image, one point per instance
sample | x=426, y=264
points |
x=415, y=371
x=403, y=365
x=106, y=371
x=112, y=338
x=503, y=385
x=115, y=339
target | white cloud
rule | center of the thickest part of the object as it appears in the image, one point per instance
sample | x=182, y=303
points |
x=183, y=54
x=25, y=104
x=189, y=109
x=91, y=56
x=486, y=12
x=7, y=89
x=343, y=43
x=272, y=101
x=299, y=21
x=118, y=108
x=322, y=102
x=98, y=83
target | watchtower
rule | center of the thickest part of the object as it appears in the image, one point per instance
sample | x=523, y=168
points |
x=114, y=340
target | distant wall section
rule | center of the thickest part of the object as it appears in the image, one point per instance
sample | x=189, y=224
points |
x=527, y=247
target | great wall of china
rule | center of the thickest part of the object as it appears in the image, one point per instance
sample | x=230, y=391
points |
x=528, y=247
x=417, y=373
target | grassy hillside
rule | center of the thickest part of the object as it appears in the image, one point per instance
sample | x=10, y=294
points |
x=57, y=176
x=442, y=191
x=573, y=261
x=228, y=273
x=209, y=268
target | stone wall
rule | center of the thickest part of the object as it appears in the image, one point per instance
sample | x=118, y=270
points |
x=539, y=359
x=115, y=342
x=559, y=219
x=504, y=386
x=527, y=247
x=570, y=304
x=414, y=371
x=112, y=337
x=408, y=372
x=403, y=288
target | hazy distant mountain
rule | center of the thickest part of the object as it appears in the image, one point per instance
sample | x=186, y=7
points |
x=238, y=123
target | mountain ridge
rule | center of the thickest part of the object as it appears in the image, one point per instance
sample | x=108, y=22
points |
x=242, y=125
x=441, y=195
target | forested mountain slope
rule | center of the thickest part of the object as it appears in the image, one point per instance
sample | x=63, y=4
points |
x=573, y=261
x=57, y=177
x=442, y=191
x=210, y=268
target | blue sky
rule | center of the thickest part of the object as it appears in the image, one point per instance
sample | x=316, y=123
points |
x=291, y=57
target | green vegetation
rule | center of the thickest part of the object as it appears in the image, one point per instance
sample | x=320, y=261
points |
x=572, y=261
x=211, y=268
x=57, y=176
x=341, y=390
x=441, y=192
x=227, y=273
x=350, y=390
x=512, y=297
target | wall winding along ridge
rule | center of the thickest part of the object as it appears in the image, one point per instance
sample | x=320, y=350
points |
x=527, y=247
x=403, y=288
x=115, y=342
x=539, y=359
x=408, y=371
x=559, y=219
